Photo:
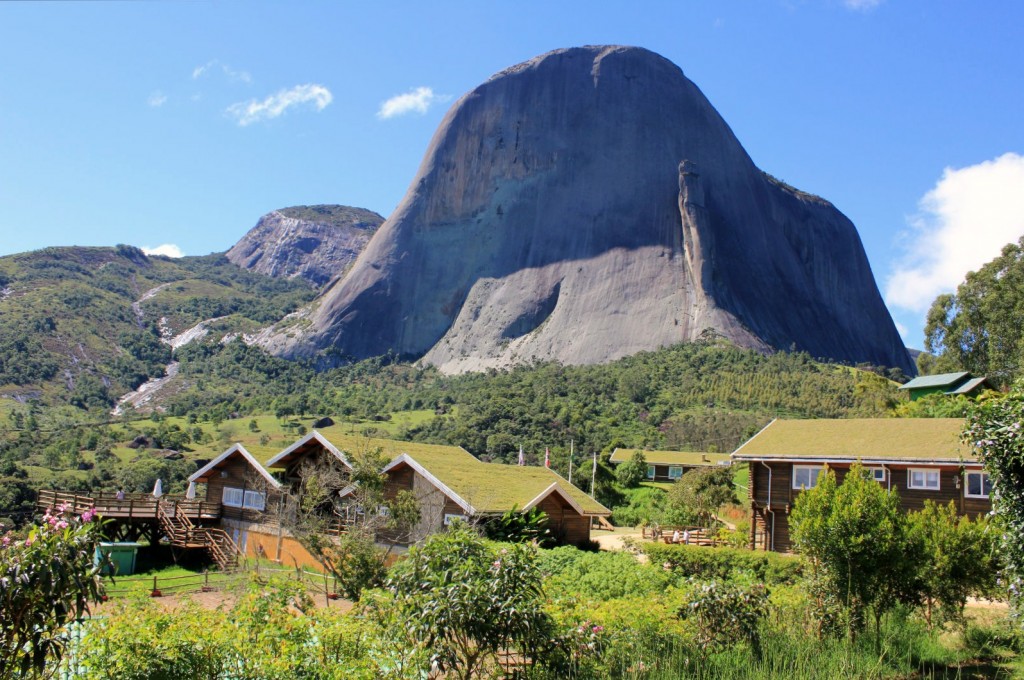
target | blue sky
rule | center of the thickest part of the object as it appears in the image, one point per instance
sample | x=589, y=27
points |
x=182, y=122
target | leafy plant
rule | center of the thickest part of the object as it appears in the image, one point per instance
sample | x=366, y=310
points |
x=47, y=581
x=520, y=527
x=466, y=601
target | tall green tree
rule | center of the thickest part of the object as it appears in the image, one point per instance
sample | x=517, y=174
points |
x=996, y=431
x=980, y=328
x=853, y=534
x=957, y=558
x=633, y=471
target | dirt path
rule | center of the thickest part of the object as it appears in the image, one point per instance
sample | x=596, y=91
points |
x=213, y=599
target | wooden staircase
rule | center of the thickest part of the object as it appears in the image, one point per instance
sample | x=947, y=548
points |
x=182, y=533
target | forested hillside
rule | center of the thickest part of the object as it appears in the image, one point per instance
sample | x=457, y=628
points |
x=81, y=326
x=699, y=396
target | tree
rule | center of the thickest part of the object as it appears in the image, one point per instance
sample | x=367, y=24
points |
x=467, y=600
x=697, y=495
x=314, y=506
x=957, y=558
x=633, y=471
x=47, y=580
x=995, y=429
x=853, y=534
x=980, y=328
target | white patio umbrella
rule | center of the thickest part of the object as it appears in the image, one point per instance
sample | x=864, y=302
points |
x=191, y=493
x=158, y=488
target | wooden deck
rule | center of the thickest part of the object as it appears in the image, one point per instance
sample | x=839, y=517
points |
x=172, y=517
x=134, y=506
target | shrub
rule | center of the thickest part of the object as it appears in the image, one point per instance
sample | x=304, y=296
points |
x=47, y=581
x=599, y=576
x=725, y=563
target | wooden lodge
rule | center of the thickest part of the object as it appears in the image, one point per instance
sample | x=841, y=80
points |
x=919, y=458
x=668, y=466
x=242, y=498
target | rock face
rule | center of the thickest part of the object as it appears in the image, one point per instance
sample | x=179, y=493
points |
x=586, y=205
x=316, y=242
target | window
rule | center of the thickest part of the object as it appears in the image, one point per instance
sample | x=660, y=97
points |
x=978, y=485
x=923, y=479
x=650, y=472
x=675, y=471
x=237, y=498
x=232, y=497
x=449, y=517
x=255, y=500
x=877, y=474
x=805, y=476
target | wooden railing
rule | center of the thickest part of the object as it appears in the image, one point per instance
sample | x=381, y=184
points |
x=221, y=547
x=132, y=506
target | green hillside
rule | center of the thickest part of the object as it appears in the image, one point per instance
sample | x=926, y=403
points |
x=82, y=326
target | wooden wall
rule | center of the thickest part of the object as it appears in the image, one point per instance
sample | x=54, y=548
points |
x=951, y=488
x=240, y=475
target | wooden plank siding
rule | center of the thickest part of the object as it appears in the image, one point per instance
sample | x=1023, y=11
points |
x=238, y=474
x=769, y=522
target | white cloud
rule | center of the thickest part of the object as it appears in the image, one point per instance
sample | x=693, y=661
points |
x=276, y=104
x=862, y=5
x=199, y=71
x=167, y=249
x=415, y=101
x=157, y=99
x=964, y=222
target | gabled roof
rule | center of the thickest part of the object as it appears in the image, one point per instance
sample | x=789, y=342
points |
x=688, y=458
x=311, y=441
x=970, y=386
x=203, y=474
x=870, y=440
x=946, y=380
x=486, y=488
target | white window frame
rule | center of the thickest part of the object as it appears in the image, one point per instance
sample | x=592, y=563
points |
x=448, y=517
x=675, y=472
x=812, y=478
x=249, y=499
x=233, y=497
x=967, y=484
x=877, y=474
x=255, y=500
x=927, y=472
x=652, y=471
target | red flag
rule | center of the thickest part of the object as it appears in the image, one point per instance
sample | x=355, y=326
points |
x=547, y=457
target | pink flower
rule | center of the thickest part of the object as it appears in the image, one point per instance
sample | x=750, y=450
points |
x=6, y=540
x=597, y=629
x=88, y=515
x=28, y=542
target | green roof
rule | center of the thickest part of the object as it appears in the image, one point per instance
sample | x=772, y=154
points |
x=688, y=458
x=939, y=380
x=488, y=487
x=913, y=439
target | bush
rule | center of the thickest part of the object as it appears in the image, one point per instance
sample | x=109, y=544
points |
x=599, y=576
x=725, y=563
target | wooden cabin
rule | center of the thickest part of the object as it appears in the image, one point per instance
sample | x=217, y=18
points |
x=668, y=466
x=919, y=458
x=960, y=383
x=449, y=482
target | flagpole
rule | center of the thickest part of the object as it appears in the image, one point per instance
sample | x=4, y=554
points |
x=570, y=460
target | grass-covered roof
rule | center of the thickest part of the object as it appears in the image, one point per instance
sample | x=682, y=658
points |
x=688, y=458
x=488, y=487
x=912, y=439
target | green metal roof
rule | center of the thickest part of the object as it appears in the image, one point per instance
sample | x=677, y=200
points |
x=893, y=439
x=940, y=380
x=969, y=386
x=688, y=458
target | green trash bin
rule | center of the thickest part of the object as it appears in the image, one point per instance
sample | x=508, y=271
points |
x=122, y=555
